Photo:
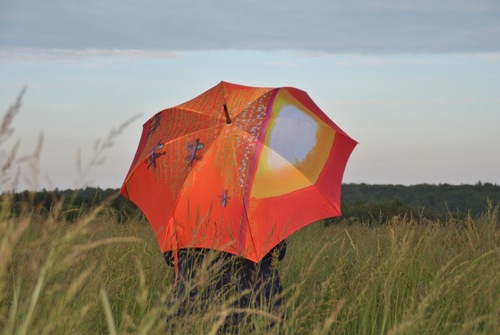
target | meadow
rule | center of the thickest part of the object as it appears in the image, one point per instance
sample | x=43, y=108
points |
x=404, y=276
x=102, y=273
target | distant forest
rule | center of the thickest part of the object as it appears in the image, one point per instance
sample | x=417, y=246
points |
x=360, y=202
x=381, y=202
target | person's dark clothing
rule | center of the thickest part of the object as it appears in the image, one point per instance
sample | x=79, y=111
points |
x=206, y=276
x=259, y=284
x=202, y=276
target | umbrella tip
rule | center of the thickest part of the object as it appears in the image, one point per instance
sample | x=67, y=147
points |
x=228, y=119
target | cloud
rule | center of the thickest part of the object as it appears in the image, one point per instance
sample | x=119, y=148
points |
x=362, y=26
x=42, y=55
x=414, y=102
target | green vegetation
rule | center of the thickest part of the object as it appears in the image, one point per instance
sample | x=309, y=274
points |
x=370, y=204
x=87, y=262
x=407, y=276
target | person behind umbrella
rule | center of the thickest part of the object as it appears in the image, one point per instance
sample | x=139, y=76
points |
x=200, y=277
x=259, y=284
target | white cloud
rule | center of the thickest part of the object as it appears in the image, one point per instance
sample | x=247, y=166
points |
x=382, y=26
x=414, y=102
x=42, y=55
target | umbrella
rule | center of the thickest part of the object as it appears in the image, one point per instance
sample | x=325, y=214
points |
x=238, y=169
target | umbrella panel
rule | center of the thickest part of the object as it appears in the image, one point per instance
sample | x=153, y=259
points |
x=239, y=187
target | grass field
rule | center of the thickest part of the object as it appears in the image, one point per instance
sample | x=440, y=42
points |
x=96, y=276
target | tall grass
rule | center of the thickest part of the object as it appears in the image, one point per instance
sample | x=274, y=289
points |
x=98, y=276
x=404, y=277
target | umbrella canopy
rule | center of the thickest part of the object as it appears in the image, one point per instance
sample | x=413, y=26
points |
x=238, y=169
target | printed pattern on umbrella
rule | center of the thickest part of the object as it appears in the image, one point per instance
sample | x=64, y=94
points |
x=240, y=186
x=193, y=149
x=155, y=153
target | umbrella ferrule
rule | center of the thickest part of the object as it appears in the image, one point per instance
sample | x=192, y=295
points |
x=228, y=119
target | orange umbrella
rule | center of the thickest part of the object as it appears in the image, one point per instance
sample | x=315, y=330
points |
x=238, y=169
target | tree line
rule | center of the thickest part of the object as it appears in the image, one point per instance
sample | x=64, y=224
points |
x=360, y=202
x=435, y=202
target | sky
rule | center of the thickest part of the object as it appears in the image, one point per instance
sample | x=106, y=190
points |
x=416, y=83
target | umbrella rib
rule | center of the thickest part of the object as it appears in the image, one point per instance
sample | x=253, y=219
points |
x=285, y=159
x=191, y=133
x=207, y=148
x=246, y=218
x=146, y=155
x=273, y=149
x=312, y=184
x=190, y=110
x=250, y=102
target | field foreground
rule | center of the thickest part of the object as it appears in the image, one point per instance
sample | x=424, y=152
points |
x=406, y=276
